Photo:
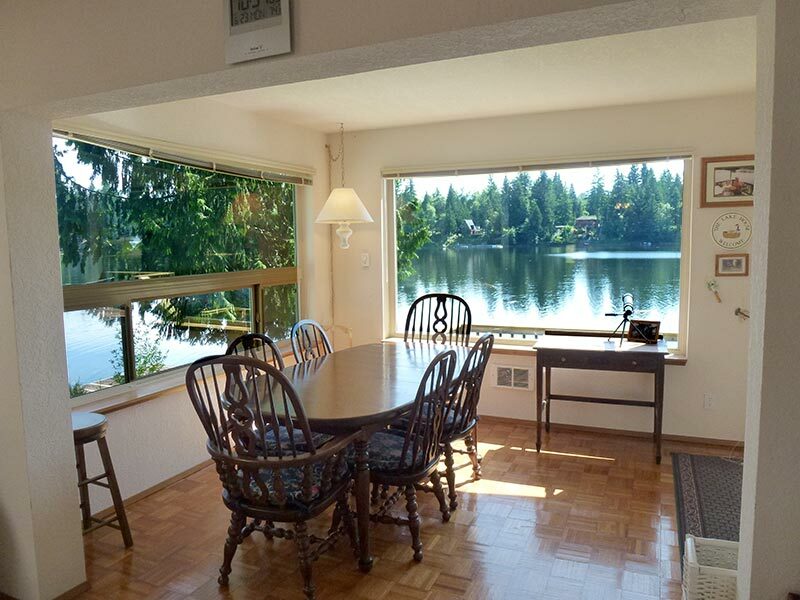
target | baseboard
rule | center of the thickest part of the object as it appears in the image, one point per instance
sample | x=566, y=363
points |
x=74, y=592
x=156, y=488
x=623, y=432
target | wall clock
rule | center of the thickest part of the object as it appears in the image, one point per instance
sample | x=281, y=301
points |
x=257, y=28
x=731, y=230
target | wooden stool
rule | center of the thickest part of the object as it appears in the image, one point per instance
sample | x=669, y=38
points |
x=86, y=428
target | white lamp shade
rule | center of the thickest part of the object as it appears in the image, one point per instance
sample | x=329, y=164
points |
x=344, y=205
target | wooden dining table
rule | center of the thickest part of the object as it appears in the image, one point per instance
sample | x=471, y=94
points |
x=363, y=389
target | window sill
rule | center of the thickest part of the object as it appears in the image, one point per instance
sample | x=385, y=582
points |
x=129, y=394
x=526, y=349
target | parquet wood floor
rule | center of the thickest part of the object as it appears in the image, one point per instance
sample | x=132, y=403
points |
x=592, y=517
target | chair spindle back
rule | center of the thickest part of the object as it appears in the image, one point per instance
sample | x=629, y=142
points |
x=439, y=318
x=462, y=409
x=422, y=438
x=309, y=341
x=258, y=346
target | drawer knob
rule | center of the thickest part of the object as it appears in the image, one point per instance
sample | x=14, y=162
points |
x=563, y=359
x=634, y=363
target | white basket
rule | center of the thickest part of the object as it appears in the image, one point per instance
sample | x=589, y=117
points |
x=709, y=569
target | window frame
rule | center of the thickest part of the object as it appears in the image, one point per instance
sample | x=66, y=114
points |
x=123, y=294
x=524, y=336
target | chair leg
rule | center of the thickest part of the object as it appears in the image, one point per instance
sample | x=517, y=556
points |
x=413, y=521
x=472, y=450
x=373, y=499
x=475, y=441
x=304, y=554
x=336, y=520
x=436, y=481
x=113, y=487
x=238, y=521
x=450, y=473
x=347, y=520
x=86, y=511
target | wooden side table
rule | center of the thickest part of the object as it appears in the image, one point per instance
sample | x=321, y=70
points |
x=598, y=354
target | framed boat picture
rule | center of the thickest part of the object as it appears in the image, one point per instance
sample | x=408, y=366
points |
x=732, y=265
x=727, y=181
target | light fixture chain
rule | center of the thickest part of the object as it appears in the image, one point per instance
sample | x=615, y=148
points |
x=341, y=148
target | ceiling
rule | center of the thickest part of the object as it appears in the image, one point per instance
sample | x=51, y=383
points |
x=691, y=61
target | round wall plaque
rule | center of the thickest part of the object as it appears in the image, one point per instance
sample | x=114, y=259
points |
x=731, y=230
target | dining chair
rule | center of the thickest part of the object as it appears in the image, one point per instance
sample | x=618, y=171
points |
x=404, y=461
x=439, y=318
x=241, y=401
x=309, y=340
x=259, y=346
x=460, y=417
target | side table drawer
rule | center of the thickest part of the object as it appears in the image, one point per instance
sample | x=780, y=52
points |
x=601, y=361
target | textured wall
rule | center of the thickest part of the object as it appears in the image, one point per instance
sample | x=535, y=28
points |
x=65, y=53
x=37, y=351
x=770, y=545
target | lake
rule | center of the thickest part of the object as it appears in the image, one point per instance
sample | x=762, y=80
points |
x=568, y=287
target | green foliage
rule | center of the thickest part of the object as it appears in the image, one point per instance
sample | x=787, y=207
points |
x=149, y=358
x=76, y=389
x=412, y=230
x=142, y=217
x=525, y=211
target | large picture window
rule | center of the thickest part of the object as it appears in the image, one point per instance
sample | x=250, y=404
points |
x=544, y=249
x=163, y=263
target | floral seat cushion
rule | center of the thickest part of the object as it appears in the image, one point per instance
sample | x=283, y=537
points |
x=402, y=422
x=291, y=480
x=299, y=440
x=386, y=452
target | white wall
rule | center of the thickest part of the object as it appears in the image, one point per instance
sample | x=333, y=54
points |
x=769, y=543
x=717, y=341
x=42, y=553
x=77, y=49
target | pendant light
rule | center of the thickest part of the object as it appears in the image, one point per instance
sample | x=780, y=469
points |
x=343, y=205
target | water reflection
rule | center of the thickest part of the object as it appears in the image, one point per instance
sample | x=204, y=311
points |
x=566, y=287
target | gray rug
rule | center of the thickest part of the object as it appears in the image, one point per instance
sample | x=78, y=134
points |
x=708, y=493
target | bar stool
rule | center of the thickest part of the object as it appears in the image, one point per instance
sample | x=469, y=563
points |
x=87, y=428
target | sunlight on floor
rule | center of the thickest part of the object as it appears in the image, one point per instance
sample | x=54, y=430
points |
x=505, y=488
x=566, y=454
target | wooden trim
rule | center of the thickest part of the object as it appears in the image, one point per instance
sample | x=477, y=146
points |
x=620, y=432
x=74, y=592
x=704, y=181
x=116, y=293
x=156, y=488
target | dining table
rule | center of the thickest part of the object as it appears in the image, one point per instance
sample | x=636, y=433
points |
x=362, y=390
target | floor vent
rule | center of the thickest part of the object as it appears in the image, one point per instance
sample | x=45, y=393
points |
x=517, y=378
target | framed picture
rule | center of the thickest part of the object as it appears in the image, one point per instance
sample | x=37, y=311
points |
x=733, y=265
x=644, y=331
x=727, y=181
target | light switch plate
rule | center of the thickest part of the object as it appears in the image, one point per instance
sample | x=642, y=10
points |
x=365, y=259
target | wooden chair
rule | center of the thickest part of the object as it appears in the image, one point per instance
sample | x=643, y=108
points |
x=410, y=459
x=309, y=341
x=258, y=346
x=439, y=318
x=243, y=405
x=460, y=416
